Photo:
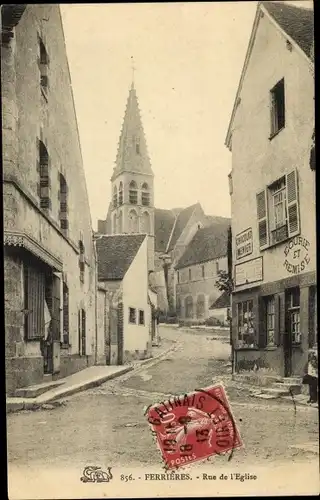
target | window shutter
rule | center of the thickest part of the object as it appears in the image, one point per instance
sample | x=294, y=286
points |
x=277, y=320
x=292, y=203
x=262, y=214
x=255, y=318
x=262, y=334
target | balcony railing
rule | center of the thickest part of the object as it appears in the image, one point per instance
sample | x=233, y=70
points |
x=279, y=234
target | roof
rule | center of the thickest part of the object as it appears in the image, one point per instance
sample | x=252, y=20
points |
x=163, y=224
x=296, y=22
x=217, y=221
x=180, y=223
x=116, y=254
x=209, y=243
x=222, y=301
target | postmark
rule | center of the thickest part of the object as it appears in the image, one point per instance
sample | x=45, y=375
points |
x=194, y=426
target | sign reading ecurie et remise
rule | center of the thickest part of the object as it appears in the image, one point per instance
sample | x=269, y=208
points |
x=244, y=243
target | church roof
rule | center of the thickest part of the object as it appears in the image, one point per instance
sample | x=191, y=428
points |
x=163, y=224
x=208, y=243
x=116, y=254
x=180, y=223
x=132, y=154
x=297, y=22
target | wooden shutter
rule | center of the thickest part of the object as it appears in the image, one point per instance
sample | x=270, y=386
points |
x=79, y=331
x=83, y=333
x=262, y=323
x=262, y=214
x=35, y=292
x=277, y=311
x=292, y=203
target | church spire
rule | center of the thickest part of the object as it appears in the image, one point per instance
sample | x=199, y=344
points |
x=132, y=155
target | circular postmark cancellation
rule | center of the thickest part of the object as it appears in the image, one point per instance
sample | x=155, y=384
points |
x=194, y=426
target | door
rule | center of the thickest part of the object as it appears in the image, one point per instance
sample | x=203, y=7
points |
x=292, y=328
x=56, y=323
x=82, y=332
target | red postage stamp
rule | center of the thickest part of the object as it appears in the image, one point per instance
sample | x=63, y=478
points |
x=194, y=426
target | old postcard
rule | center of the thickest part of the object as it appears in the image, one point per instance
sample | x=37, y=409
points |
x=160, y=249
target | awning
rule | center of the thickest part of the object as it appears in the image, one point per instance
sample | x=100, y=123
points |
x=22, y=240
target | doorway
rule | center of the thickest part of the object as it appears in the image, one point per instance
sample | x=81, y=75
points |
x=292, y=334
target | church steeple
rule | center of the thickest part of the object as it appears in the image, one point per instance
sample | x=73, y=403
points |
x=132, y=154
x=132, y=209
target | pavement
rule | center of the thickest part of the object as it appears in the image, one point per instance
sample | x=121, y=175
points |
x=82, y=381
x=106, y=426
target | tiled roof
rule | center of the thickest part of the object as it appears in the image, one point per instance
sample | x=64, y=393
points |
x=181, y=222
x=297, y=22
x=222, y=301
x=116, y=254
x=217, y=221
x=209, y=243
x=163, y=224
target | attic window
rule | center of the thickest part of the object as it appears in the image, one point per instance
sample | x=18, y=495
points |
x=277, y=108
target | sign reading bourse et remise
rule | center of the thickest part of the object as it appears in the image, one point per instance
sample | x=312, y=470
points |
x=244, y=243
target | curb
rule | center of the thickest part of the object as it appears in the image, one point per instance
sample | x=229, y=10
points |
x=155, y=358
x=35, y=404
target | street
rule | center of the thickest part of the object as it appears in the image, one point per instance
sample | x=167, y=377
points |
x=109, y=421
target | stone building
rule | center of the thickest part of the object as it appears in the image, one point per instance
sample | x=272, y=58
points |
x=132, y=209
x=49, y=259
x=272, y=186
x=197, y=271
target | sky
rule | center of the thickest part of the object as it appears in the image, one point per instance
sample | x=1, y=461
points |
x=188, y=59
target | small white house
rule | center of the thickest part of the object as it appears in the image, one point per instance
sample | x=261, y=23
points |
x=124, y=318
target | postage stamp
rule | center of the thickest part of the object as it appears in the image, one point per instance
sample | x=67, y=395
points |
x=194, y=426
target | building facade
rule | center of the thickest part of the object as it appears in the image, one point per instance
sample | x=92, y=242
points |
x=197, y=271
x=272, y=187
x=49, y=259
x=125, y=308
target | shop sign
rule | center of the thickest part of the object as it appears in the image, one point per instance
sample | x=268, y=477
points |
x=248, y=272
x=244, y=243
x=297, y=255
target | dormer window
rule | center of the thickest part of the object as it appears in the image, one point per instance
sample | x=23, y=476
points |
x=145, y=196
x=133, y=193
x=137, y=146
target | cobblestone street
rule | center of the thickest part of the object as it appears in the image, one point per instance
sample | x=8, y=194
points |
x=108, y=421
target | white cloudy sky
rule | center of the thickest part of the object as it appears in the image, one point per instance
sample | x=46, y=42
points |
x=188, y=59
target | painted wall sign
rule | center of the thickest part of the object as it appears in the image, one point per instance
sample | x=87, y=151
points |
x=297, y=255
x=244, y=243
x=249, y=272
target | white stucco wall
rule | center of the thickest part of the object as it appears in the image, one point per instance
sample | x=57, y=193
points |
x=257, y=160
x=135, y=295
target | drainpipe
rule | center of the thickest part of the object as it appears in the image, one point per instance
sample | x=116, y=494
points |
x=96, y=300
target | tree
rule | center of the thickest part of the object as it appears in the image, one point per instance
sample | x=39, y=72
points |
x=224, y=283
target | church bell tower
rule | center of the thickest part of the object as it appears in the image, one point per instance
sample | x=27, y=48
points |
x=132, y=205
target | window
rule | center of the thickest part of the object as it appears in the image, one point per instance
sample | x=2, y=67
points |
x=137, y=148
x=245, y=323
x=120, y=193
x=65, y=322
x=189, y=274
x=44, y=185
x=133, y=193
x=34, y=297
x=145, y=196
x=217, y=267
x=63, y=196
x=294, y=315
x=202, y=271
x=133, y=222
x=115, y=197
x=277, y=108
x=81, y=258
x=178, y=277
x=141, y=317
x=278, y=211
x=82, y=332
x=43, y=66
x=271, y=319
x=230, y=184
x=132, y=315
